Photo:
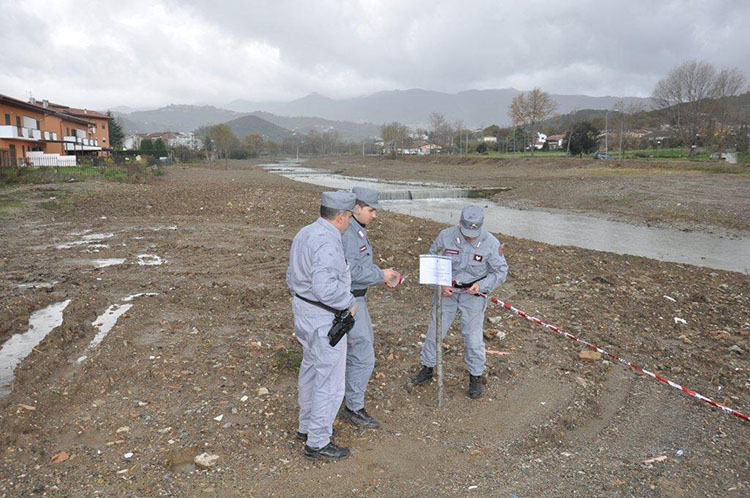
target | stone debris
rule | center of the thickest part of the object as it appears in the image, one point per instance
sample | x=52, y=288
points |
x=588, y=355
x=206, y=460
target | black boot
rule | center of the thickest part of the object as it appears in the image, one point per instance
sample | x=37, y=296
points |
x=475, y=386
x=327, y=452
x=301, y=436
x=360, y=418
x=423, y=377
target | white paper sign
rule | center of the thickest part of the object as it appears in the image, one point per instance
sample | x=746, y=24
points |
x=435, y=270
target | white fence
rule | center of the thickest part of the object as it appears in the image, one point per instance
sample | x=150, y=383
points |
x=37, y=159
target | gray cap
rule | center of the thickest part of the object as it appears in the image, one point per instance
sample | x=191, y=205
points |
x=472, y=218
x=368, y=196
x=343, y=201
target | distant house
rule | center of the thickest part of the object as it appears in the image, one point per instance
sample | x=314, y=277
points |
x=541, y=139
x=489, y=139
x=555, y=142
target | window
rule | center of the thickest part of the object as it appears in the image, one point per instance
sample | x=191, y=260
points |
x=18, y=121
x=7, y=119
x=104, y=127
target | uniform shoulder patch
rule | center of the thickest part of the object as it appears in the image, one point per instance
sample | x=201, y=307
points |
x=451, y=251
x=478, y=257
x=361, y=233
x=363, y=249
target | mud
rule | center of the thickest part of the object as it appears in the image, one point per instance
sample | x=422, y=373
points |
x=220, y=329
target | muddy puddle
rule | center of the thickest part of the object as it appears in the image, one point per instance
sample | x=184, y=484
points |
x=18, y=347
x=444, y=202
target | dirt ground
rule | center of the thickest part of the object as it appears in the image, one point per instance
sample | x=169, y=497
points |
x=671, y=194
x=220, y=329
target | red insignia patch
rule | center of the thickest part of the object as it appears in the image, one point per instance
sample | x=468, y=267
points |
x=363, y=249
x=478, y=257
x=451, y=251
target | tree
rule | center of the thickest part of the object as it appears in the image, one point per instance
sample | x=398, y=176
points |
x=222, y=136
x=254, y=144
x=394, y=136
x=441, y=132
x=528, y=110
x=115, y=132
x=147, y=145
x=159, y=148
x=693, y=96
x=582, y=138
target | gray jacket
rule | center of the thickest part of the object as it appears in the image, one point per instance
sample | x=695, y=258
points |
x=472, y=261
x=317, y=268
x=358, y=252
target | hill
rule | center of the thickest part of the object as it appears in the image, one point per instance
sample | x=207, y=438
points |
x=175, y=118
x=254, y=125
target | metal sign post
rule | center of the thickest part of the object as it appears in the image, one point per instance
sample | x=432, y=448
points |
x=436, y=270
x=439, y=341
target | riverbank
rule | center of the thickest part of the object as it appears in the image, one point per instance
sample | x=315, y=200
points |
x=186, y=371
x=683, y=195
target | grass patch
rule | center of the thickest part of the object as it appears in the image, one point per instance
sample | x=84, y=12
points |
x=6, y=204
x=128, y=174
x=288, y=358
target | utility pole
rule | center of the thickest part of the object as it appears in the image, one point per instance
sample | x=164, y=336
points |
x=606, y=132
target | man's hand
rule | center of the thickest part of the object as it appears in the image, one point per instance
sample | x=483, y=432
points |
x=447, y=291
x=474, y=289
x=391, y=277
x=353, y=309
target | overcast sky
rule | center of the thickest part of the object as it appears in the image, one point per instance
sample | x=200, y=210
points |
x=150, y=53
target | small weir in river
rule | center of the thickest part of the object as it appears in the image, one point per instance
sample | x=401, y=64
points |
x=443, y=203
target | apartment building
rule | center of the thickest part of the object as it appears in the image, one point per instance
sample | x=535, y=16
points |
x=39, y=129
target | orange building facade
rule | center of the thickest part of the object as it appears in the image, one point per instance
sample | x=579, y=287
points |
x=43, y=128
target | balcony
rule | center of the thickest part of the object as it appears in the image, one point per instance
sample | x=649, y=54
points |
x=10, y=131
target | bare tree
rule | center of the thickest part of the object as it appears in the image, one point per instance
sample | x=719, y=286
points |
x=693, y=94
x=394, y=134
x=530, y=110
x=441, y=131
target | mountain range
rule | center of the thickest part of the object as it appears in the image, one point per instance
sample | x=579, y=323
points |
x=354, y=119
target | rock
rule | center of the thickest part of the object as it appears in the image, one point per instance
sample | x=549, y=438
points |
x=736, y=349
x=60, y=457
x=494, y=320
x=219, y=418
x=262, y=391
x=128, y=455
x=685, y=339
x=588, y=355
x=205, y=460
x=124, y=428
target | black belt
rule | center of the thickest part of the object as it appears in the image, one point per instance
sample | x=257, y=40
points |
x=319, y=304
x=466, y=286
x=359, y=292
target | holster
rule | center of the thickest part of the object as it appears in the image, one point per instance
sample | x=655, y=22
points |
x=343, y=322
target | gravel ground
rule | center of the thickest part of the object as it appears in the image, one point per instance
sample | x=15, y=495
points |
x=209, y=364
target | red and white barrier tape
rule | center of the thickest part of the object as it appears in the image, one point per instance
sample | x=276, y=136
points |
x=635, y=367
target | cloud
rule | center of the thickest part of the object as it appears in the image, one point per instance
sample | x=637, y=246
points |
x=158, y=52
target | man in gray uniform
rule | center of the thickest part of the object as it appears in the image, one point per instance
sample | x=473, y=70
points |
x=360, y=355
x=478, y=266
x=319, y=279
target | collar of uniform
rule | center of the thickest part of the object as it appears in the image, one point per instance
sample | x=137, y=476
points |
x=328, y=226
x=357, y=225
x=463, y=240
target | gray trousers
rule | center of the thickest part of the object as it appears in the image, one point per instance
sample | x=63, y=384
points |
x=360, y=357
x=321, y=377
x=472, y=324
